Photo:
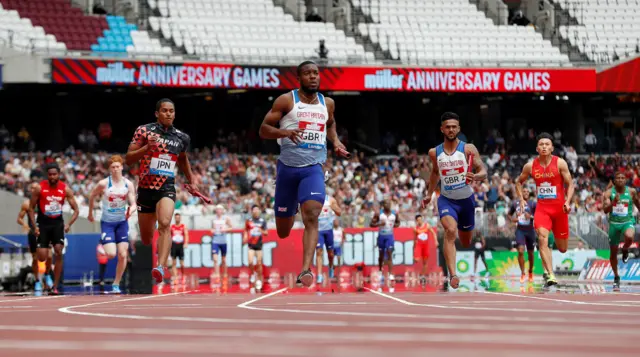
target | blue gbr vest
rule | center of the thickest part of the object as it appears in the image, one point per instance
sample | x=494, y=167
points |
x=312, y=119
x=453, y=171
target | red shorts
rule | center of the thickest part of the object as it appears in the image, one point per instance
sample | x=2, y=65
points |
x=421, y=250
x=553, y=219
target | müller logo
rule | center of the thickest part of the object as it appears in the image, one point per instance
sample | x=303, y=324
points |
x=115, y=73
x=383, y=79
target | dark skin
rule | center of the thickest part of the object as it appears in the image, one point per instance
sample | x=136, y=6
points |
x=525, y=196
x=164, y=208
x=309, y=79
x=53, y=176
x=24, y=211
x=375, y=222
x=450, y=129
x=619, y=183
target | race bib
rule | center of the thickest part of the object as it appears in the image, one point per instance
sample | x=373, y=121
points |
x=453, y=178
x=163, y=165
x=178, y=238
x=547, y=193
x=621, y=210
x=53, y=209
x=423, y=236
x=314, y=136
x=522, y=219
x=116, y=204
x=478, y=245
x=256, y=232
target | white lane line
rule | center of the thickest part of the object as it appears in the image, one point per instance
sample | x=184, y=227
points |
x=69, y=309
x=19, y=300
x=245, y=305
x=555, y=300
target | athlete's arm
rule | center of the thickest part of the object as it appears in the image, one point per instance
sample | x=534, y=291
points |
x=434, y=176
x=396, y=224
x=332, y=134
x=245, y=234
x=335, y=207
x=183, y=159
x=74, y=205
x=35, y=196
x=133, y=205
x=24, y=210
x=92, y=197
x=185, y=232
x=607, y=205
x=374, y=221
x=480, y=171
x=524, y=175
x=268, y=130
x=264, y=228
x=568, y=180
x=229, y=228
x=137, y=148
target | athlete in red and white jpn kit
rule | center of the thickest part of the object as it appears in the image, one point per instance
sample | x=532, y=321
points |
x=160, y=147
x=551, y=174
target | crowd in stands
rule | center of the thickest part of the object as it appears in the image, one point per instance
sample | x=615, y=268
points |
x=360, y=184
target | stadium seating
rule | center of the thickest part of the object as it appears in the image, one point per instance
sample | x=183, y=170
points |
x=606, y=27
x=452, y=31
x=125, y=38
x=249, y=31
x=22, y=35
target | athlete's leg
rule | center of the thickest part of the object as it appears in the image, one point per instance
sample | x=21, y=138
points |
x=320, y=254
x=147, y=223
x=330, y=256
x=215, y=250
x=545, y=252
x=110, y=249
x=629, y=233
x=286, y=203
x=389, y=257
x=250, y=257
x=561, y=231
x=223, y=260
x=530, y=240
x=310, y=212
x=59, y=259
x=613, y=259
x=123, y=254
x=108, y=239
x=310, y=195
x=521, y=261
x=164, y=212
x=259, y=264
x=450, y=234
x=174, y=260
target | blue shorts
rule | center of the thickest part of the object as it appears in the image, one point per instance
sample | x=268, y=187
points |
x=297, y=185
x=463, y=211
x=216, y=247
x=385, y=243
x=526, y=237
x=337, y=251
x=325, y=238
x=114, y=232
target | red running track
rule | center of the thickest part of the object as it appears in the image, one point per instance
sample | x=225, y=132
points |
x=350, y=324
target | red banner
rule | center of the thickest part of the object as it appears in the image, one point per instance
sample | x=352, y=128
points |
x=623, y=78
x=230, y=76
x=285, y=255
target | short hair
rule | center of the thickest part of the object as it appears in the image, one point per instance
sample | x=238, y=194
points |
x=255, y=206
x=299, y=69
x=50, y=166
x=162, y=101
x=620, y=172
x=449, y=115
x=177, y=214
x=544, y=135
x=116, y=158
x=418, y=216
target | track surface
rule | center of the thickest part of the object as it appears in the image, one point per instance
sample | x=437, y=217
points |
x=563, y=323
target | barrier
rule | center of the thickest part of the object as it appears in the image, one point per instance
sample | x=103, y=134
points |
x=600, y=270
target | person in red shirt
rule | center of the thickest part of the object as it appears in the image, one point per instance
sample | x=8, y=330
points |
x=551, y=174
x=179, y=241
x=254, y=232
x=424, y=233
x=49, y=197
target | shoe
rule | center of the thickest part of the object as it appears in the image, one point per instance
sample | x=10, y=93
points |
x=531, y=277
x=38, y=286
x=116, y=289
x=331, y=273
x=48, y=281
x=545, y=276
x=551, y=281
x=54, y=291
x=616, y=282
x=454, y=282
x=625, y=255
x=158, y=274
x=522, y=278
x=319, y=279
x=305, y=279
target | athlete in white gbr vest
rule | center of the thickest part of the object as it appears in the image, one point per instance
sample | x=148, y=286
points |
x=305, y=119
x=117, y=191
x=455, y=204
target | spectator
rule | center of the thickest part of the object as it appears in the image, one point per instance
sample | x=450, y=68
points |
x=403, y=148
x=322, y=50
x=98, y=8
x=590, y=141
x=314, y=16
x=580, y=247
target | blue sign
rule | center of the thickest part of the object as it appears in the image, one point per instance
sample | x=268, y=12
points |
x=79, y=256
x=601, y=270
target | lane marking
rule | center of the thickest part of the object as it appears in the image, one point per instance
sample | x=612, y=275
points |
x=19, y=300
x=69, y=309
x=245, y=305
x=555, y=300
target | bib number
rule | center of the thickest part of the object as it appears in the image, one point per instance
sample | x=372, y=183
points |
x=53, y=209
x=163, y=165
x=454, y=182
x=547, y=193
x=423, y=236
x=522, y=220
x=620, y=210
x=314, y=136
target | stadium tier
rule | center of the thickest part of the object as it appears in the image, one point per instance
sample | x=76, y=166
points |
x=604, y=29
x=250, y=31
x=23, y=35
x=452, y=31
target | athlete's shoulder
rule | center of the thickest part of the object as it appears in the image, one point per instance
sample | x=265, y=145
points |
x=330, y=103
x=182, y=135
x=470, y=148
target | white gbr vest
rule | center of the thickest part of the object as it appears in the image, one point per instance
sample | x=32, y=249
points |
x=453, y=169
x=389, y=221
x=114, y=202
x=312, y=118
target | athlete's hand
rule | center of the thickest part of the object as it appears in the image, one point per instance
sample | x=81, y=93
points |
x=616, y=199
x=128, y=214
x=341, y=150
x=294, y=135
x=523, y=206
x=90, y=217
x=152, y=142
x=566, y=207
x=426, y=201
x=36, y=232
x=194, y=192
x=469, y=177
x=527, y=215
x=67, y=227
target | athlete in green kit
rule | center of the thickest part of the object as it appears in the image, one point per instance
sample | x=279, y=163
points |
x=618, y=203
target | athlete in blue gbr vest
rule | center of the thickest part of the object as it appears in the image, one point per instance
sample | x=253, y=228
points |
x=302, y=121
x=455, y=204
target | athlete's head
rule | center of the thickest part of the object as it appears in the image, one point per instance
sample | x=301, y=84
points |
x=309, y=77
x=53, y=173
x=336, y=223
x=450, y=125
x=525, y=193
x=178, y=218
x=620, y=179
x=545, y=144
x=255, y=211
x=219, y=210
x=115, y=165
x=386, y=205
x=165, y=112
x=419, y=220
